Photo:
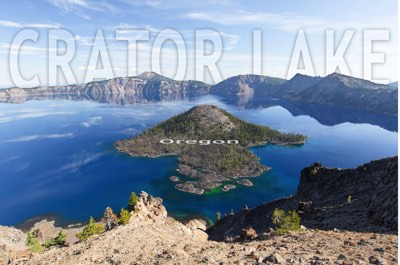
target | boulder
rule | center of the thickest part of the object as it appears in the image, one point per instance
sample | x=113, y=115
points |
x=248, y=234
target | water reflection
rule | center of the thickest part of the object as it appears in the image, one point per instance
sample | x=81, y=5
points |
x=325, y=115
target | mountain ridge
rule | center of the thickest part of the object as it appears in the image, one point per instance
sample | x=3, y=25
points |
x=334, y=89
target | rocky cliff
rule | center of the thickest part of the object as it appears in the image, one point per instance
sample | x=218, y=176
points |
x=363, y=199
x=148, y=85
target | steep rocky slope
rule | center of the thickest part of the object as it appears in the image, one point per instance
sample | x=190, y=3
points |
x=362, y=199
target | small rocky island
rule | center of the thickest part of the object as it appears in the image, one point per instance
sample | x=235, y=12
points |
x=212, y=146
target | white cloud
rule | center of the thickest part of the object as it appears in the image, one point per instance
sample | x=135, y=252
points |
x=13, y=24
x=92, y=121
x=290, y=22
x=287, y=22
x=74, y=6
x=42, y=114
x=8, y=116
x=11, y=159
x=29, y=138
x=182, y=4
x=78, y=161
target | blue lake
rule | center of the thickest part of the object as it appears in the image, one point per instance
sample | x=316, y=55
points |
x=57, y=156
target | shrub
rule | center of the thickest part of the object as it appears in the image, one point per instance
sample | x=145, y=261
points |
x=124, y=217
x=92, y=228
x=349, y=199
x=59, y=240
x=218, y=216
x=133, y=200
x=286, y=222
x=33, y=243
x=110, y=220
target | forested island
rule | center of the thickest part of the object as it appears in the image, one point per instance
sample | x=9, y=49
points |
x=210, y=165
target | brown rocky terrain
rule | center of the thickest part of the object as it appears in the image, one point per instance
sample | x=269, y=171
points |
x=362, y=199
x=170, y=242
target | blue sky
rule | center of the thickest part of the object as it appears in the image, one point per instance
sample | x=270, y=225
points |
x=279, y=22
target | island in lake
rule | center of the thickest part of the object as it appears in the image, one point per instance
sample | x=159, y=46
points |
x=212, y=145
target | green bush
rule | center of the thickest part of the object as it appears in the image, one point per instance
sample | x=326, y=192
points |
x=133, y=200
x=124, y=217
x=59, y=240
x=218, y=216
x=92, y=228
x=286, y=222
x=33, y=243
x=349, y=199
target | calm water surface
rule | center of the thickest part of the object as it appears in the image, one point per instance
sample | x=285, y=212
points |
x=57, y=156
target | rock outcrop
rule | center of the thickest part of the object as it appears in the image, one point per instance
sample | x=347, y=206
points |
x=12, y=238
x=150, y=209
x=361, y=199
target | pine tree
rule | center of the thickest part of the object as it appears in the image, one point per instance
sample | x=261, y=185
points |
x=109, y=219
x=92, y=228
x=59, y=240
x=33, y=243
x=124, y=217
x=133, y=200
x=286, y=222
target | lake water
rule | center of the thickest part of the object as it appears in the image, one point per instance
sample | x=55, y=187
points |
x=57, y=156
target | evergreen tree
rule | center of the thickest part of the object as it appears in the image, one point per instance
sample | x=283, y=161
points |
x=92, y=228
x=109, y=219
x=133, y=200
x=33, y=243
x=59, y=240
x=124, y=217
x=286, y=222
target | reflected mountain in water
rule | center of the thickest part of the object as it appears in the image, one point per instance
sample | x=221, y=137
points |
x=118, y=99
x=325, y=115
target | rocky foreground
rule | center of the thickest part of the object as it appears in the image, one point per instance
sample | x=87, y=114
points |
x=336, y=228
x=153, y=238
